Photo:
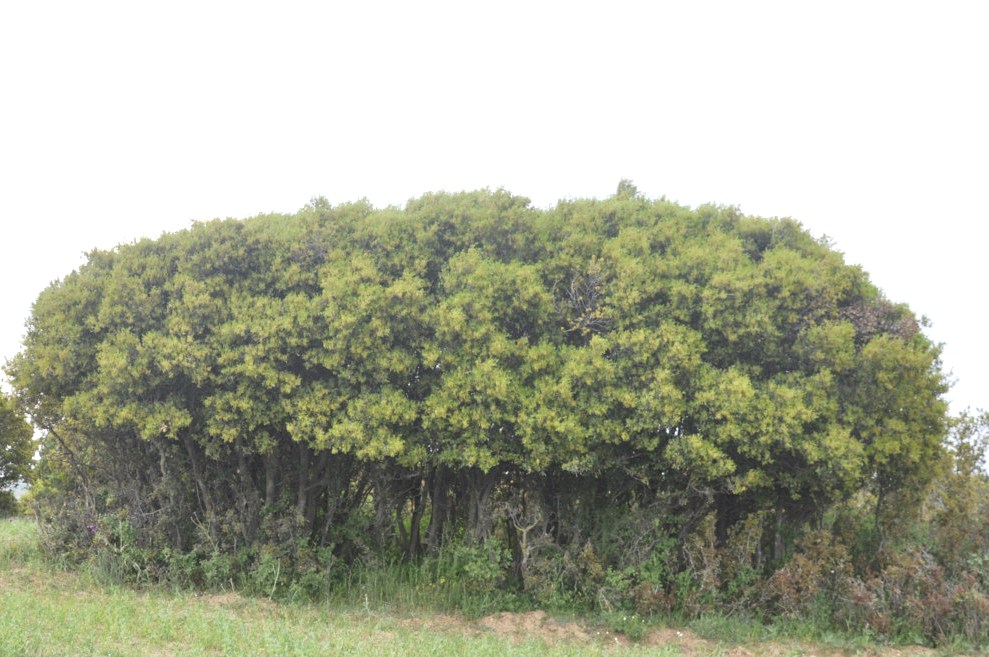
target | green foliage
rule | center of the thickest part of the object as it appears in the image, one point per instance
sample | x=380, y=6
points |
x=8, y=504
x=958, y=502
x=621, y=404
x=16, y=445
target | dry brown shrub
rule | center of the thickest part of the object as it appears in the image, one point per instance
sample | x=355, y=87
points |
x=820, y=572
x=650, y=599
x=697, y=591
x=969, y=613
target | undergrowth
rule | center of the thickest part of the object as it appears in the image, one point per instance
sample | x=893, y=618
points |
x=467, y=582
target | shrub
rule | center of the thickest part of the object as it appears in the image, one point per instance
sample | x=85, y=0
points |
x=969, y=613
x=696, y=586
x=481, y=568
x=817, y=578
x=8, y=504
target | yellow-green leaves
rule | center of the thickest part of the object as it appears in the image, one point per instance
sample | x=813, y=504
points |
x=700, y=458
x=372, y=426
x=623, y=340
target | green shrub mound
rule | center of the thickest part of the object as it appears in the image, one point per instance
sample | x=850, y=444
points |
x=614, y=404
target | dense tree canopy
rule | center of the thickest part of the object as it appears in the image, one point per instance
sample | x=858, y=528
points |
x=470, y=367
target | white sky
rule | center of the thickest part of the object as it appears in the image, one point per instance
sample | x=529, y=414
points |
x=866, y=121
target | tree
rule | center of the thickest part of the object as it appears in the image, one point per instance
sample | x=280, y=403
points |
x=379, y=382
x=16, y=445
x=960, y=495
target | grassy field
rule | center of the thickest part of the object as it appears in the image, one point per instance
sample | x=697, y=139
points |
x=45, y=611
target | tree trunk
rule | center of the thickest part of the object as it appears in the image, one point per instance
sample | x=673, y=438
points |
x=418, y=508
x=315, y=492
x=516, y=548
x=440, y=504
x=302, y=483
x=726, y=508
x=206, y=500
x=249, y=503
x=270, y=478
x=77, y=464
x=778, y=534
x=480, y=485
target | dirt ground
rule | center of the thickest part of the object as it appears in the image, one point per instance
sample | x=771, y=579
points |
x=541, y=626
x=538, y=625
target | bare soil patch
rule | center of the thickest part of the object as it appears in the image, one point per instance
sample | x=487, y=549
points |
x=540, y=626
x=533, y=625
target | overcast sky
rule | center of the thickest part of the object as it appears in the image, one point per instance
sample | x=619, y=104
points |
x=865, y=121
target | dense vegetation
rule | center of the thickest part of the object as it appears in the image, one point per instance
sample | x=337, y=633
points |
x=614, y=404
x=16, y=450
x=51, y=612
